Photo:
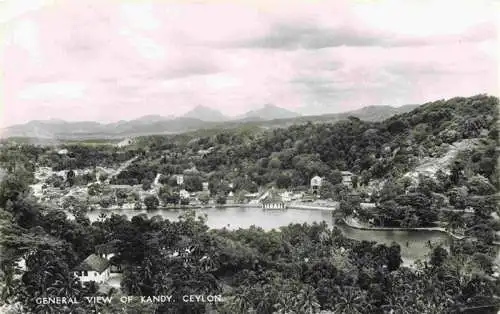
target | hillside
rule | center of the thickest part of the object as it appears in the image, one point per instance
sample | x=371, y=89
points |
x=366, y=148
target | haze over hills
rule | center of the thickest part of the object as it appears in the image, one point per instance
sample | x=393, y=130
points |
x=205, y=113
x=268, y=112
x=200, y=117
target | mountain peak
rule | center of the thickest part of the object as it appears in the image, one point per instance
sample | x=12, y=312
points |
x=270, y=112
x=205, y=113
x=152, y=118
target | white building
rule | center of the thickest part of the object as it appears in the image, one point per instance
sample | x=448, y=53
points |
x=367, y=205
x=125, y=142
x=180, y=179
x=347, y=178
x=93, y=268
x=316, y=184
x=184, y=194
x=286, y=196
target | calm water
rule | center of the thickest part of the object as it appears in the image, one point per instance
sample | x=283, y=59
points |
x=234, y=217
x=414, y=244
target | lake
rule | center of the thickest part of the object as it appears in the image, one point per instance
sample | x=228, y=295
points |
x=414, y=244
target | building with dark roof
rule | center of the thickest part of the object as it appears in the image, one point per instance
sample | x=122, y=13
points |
x=93, y=268
x=273, y=201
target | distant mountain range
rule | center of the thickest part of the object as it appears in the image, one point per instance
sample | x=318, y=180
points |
x=268, y=112
x=207, y=114
x=200, y=117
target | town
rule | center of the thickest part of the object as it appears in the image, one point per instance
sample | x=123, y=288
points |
x=138, y=210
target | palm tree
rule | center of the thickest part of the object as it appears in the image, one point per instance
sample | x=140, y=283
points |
x=102, y=216
x=163, y=284
x=65, y=285
x=130, y=282
x=9, y=284
x=147, y=270
x=351, y=301
x=306, y=301
x=239, y=303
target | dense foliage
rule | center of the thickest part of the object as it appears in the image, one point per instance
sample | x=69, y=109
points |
x=297, y=269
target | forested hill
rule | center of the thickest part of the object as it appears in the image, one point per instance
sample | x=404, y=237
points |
x=292, y=155
x=304, y=267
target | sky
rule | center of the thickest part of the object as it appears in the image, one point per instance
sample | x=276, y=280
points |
x=111, y=60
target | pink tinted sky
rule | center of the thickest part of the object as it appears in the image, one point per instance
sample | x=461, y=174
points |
x=112, y=60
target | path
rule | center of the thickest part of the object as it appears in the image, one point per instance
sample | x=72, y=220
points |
x=430, y=166
x=124, y=166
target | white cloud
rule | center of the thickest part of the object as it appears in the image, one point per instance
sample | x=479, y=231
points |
x=53, y=91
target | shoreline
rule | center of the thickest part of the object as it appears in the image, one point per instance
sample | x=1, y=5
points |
x=254, y=206
x=366, y=228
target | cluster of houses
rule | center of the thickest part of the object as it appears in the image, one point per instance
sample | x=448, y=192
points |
x=317, y=181
x=55, y=195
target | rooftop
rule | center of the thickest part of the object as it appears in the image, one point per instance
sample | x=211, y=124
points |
x=94, y=263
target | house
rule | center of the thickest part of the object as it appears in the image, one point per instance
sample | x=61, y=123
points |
x=205, y=186
x=180, y=179
x=286, y=196
x=125, y=142
x=186, y=247
x=93, y=268
x=347, y=178
x=21, y=268
x=63, y=152
x=184, y=194
x=273, y=201
x=107, y=251
x=367, y=205
x=191, y=170
x=316, y=184
x=230, y=199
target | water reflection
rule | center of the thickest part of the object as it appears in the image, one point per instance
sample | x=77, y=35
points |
x=414, y=244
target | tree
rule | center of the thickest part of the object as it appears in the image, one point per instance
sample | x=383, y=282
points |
x=274, y=163
x=438, y=256
x=394, y=257
x=105, y=201
x=204, y=198
x=138, y=205
x=479, y=185
x=94, y=189
x=151, y=202
x=70, y=177
x=193, y=183
x=221, y=199
x=347, y=207
x=283, y=181
x=355, y=181
x=397, y=126
x=12, y=187
x=146, y=184
x=326, y=190
x=350, y=300
x=103, y=177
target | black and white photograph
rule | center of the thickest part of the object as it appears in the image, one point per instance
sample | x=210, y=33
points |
x=249, y=157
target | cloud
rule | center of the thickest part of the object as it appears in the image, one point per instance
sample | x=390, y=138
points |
x=294, y=35
x=106, y=60
x=71, y=90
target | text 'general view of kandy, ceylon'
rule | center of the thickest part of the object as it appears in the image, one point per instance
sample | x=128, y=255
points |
x=130, y=299
x=218, y=157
